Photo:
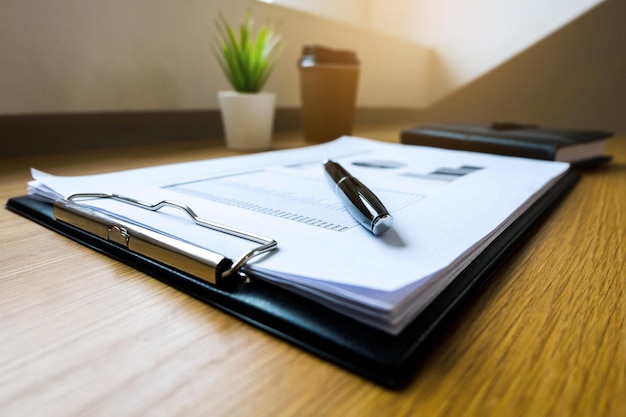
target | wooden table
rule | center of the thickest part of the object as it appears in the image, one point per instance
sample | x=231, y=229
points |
x=83, y=335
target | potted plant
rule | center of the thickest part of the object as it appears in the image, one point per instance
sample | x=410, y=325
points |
x=247, y=59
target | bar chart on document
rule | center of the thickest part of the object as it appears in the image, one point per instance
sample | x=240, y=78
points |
x=273, y=191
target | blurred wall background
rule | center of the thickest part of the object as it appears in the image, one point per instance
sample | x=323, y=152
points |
x=556, y=62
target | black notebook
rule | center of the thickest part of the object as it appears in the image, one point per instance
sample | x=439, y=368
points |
x=386, y=355
x=578, y=146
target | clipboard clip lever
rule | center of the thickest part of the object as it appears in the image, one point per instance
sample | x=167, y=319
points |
x=201, y=262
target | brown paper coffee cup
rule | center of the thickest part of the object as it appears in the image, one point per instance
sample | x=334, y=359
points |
x=328, y=89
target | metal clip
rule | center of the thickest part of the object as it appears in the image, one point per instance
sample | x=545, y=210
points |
x=198, y=261
x=118, y=235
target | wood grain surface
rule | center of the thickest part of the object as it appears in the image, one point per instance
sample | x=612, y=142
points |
x=83, y=335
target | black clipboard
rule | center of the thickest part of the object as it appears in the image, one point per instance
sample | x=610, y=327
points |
x=383, y=358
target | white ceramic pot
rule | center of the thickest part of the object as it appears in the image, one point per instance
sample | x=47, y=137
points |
x=248, y=119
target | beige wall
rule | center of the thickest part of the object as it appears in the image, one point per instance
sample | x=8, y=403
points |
x=470, y=37
x=576, y=77
x=473, y=37
x=119, y=55
x=353, y=12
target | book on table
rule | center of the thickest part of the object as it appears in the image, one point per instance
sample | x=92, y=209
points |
x=582, y=147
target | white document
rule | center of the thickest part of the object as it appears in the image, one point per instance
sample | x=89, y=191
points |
x=447, y=207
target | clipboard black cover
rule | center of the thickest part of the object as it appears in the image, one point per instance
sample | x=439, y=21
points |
x=383, y=358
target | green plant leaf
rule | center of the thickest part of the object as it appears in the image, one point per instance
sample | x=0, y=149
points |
x=247, y=60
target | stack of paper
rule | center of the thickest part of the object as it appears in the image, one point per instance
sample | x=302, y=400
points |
x=447, y=207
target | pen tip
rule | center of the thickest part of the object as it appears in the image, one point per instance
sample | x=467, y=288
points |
x=381, y=224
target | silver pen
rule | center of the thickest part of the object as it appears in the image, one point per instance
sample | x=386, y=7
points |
x=359, y=200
